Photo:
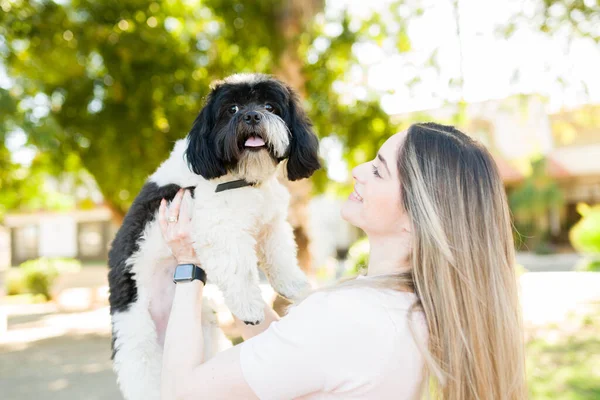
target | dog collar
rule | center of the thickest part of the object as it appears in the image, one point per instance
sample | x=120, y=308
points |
x=233, y=185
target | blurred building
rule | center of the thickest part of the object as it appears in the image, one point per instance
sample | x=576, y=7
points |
x=81, y=234
x=574, y=160
x=517, y=128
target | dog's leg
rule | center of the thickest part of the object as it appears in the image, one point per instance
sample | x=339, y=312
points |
x=138, y=356
x=278, y=255
x=228, y=255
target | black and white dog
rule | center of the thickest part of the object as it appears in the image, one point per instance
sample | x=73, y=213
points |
x=250, y=125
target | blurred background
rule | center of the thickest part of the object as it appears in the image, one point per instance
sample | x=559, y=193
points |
x=93, y=94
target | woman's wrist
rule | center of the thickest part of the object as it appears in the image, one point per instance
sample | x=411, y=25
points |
x=192, y=291
x=186, y=260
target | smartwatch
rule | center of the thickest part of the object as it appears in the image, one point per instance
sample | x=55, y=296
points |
x=188, y=273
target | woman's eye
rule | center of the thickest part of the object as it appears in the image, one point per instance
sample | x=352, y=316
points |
x=233, y=109
x=376, y=172
x=269, y=107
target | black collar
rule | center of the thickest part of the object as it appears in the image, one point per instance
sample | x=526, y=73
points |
x=233, y=185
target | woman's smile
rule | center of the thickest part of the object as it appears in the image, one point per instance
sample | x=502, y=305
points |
x=354, y=196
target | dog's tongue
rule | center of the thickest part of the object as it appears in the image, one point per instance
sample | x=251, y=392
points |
x=255, y=142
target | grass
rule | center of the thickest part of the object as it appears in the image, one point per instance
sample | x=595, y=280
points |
x=563, y=362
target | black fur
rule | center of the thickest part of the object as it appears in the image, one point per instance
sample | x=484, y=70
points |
x=123, y=289
x=122, y=286
x=303, y=158
x=200, y=153
x=112, y=346
x=215, y=142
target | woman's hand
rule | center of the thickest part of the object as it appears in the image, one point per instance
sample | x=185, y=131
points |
x=176, y=226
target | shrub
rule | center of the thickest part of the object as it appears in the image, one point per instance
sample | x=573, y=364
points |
x=15, y=283
x=37, y=276
x=585, y=235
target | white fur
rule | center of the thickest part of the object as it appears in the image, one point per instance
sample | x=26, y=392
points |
x=250, y=79
x=233, y=230
x=277, y=132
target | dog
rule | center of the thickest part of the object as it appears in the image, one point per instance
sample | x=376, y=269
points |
x=251, y=126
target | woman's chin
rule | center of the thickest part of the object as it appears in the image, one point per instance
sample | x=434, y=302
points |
x=349, y=212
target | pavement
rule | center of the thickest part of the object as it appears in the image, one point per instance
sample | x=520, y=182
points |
x=66, y=367
x=549, y=263
x=57, y=356
x=62, y=351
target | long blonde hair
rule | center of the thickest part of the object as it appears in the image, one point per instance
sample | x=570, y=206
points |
x=463, y=269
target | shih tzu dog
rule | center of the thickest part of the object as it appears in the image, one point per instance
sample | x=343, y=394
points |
x=250, y=126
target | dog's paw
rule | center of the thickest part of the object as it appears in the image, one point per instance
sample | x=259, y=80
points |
x=251, y=311
x=293, y=289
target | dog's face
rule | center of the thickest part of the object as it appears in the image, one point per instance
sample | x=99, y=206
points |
x=249, y=124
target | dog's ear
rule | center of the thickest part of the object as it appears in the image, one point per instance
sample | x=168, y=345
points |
x=303, y=159
x=201, y=152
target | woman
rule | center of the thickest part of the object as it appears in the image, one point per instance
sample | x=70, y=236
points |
x=437, y=311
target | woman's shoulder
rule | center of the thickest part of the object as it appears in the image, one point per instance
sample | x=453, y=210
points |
x=345, y=317
x=357, y=305
x=361, y=296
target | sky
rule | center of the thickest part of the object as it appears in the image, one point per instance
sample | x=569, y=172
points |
x=490, y=61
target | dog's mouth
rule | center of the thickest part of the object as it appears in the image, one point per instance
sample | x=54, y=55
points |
x=255, y=142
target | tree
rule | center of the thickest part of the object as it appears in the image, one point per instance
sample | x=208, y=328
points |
x=580, y=18
x=122, y=80
x=573, y=18
x=26, y=186
x=531, y=203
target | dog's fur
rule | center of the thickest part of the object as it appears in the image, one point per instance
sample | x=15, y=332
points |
x=234, y=230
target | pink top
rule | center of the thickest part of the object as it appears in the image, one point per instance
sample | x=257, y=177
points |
x=344, y=344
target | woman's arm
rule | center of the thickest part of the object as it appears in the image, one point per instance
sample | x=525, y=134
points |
x=184, y=373
x=183, y=349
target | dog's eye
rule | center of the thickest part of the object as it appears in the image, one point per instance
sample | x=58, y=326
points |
x=233, y=109
x=269, y=107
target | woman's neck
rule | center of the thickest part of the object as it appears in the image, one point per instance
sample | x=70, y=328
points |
x=388, y=255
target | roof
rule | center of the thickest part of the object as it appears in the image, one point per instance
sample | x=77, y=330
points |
x=575, y=161
x=508, y=173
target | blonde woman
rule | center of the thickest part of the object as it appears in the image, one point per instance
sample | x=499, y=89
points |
x=437, y=311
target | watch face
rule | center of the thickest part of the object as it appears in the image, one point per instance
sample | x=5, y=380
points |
x=183, y=272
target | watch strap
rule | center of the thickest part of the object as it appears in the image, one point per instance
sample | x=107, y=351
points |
x=198, y=273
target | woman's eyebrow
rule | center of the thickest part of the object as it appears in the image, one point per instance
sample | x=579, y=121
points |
x=384, y=163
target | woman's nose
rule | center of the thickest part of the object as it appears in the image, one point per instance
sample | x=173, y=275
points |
x=357, y=173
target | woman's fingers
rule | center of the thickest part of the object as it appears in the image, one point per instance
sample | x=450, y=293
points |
x=177, y=234
x=185, y=213
x=176, y=205
x=162, y=217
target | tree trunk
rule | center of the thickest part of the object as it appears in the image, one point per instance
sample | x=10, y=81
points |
x=117, y=213
x=295, y=15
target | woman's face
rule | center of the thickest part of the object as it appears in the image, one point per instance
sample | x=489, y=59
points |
x=374, y=205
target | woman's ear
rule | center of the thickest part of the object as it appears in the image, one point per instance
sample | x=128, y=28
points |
x=303, y=159
x=201, y=153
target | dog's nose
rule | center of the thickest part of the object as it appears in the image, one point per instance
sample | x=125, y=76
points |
x=252, y=118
